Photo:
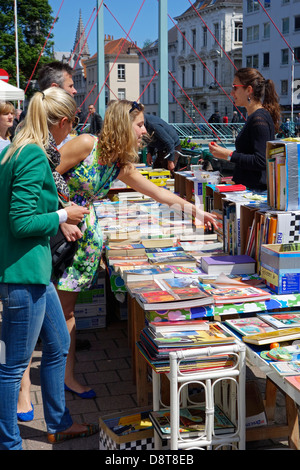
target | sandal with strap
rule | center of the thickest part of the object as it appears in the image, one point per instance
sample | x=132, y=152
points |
x=62, y=436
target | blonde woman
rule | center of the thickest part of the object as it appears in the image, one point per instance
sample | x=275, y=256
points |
x=7, y=113
x=89, y=168
x=31, y=307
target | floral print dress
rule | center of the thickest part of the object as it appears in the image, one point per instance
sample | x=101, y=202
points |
x=87, y=181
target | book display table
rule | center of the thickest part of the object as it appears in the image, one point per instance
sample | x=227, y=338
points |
x=224, y=389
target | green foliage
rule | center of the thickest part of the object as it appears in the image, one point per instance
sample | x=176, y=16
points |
x=34, y=24
x=188, y=144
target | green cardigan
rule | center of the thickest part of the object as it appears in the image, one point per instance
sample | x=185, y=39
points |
x=28, y=217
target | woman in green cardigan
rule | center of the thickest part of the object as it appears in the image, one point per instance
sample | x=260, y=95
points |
x=31, y=308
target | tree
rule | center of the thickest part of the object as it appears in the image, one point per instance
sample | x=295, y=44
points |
x=34, y=24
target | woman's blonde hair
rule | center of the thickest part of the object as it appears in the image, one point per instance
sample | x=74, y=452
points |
x=117, y=140
x=5, y=108
x=45, y=109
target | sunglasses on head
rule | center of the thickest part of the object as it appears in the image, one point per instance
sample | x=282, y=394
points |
x=134, y=106
x=75, y=122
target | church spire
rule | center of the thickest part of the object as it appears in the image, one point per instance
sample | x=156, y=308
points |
x=80, y=43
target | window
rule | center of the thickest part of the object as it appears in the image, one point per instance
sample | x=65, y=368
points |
x=253, y=33
x=266, y=30
x=297, y=23
x=194, y=38
x=193, y=75
x=217, y=32
x=204, y=74
x=142, y=69
x=252, y=61
x=204, y=32
x=284, y=87
x=266, y=59
x=183, y=40
x=121, y=72
x=284, y=56
x=267, y=3
x=183, y=76
x=216, y=69
x=252, y=5
x=238, y=32
x=297, y=53
x=285, y=25
x=154, y=93
x=122, y=94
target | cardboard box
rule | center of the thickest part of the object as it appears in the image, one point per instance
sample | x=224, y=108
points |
x=90, y=310
x=134, y=440
x=255, y=411
x=90, y=323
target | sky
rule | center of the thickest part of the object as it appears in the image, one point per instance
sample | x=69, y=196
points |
x=118, y=14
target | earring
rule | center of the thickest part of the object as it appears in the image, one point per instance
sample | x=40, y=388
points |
x=249, y=99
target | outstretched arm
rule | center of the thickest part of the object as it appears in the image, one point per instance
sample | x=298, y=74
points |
x=138, y=182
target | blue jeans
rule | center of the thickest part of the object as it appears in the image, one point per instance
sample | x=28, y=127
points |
x=30, y=312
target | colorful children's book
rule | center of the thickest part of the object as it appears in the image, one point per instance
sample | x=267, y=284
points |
x=191, y=422
x=281, y=320
x=168, y=326
x=236, y=294
x=287, y=368
x=249, y=326
x=276, y=335
x=147, y=273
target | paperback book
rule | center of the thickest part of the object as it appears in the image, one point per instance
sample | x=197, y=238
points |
x=191, y=422
x=169, y=326
x=236, y=294
x=286, y=368
x=147, y=273
x=281, y=320
x=276, y=335
x=249, y=326
x=228, y=264
x=172, y=293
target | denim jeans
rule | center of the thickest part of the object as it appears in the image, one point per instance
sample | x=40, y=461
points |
x=30, y=312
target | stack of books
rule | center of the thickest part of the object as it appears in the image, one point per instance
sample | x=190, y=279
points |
x=156, y=344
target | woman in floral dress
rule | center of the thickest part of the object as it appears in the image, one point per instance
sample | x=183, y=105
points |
x=90, y=167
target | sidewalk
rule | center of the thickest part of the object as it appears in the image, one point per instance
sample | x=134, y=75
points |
x=106, y=367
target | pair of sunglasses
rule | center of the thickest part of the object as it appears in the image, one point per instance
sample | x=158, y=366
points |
x=134, y=106
x=236, y=86
x=75, y=122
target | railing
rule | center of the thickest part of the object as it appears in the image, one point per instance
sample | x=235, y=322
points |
x=202, y=133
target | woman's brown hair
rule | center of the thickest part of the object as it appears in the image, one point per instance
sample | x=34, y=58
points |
x=263, y=91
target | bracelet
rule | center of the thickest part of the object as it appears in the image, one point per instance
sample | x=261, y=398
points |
x=229, y=156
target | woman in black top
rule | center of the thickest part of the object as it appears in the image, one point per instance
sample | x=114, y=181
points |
x=260, y=99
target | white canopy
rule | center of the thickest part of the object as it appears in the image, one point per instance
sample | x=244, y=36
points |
x=9, y=92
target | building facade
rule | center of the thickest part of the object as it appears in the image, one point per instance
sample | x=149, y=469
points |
x=121, y=72
x=209, y=50
x=275, y=50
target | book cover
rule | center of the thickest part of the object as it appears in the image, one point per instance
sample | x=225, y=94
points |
x=281, y=320
x=205, y=246
x=286, y=368
x=228, y=264
x=236, y=294
x=224, y=188
x=181, y=271
x=276, y=335
x=131, y=249
x=167, y=249
x=167, y=326
x=147, y=273
x=249, y=326
x=283, y=281
x=191, y=421
x=294, y=381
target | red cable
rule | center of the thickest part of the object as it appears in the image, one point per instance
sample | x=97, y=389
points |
x=43, y=47
x=212, y=35
x=81, y=36
x=190, y=118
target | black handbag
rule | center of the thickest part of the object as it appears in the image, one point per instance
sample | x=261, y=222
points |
x=63, y=253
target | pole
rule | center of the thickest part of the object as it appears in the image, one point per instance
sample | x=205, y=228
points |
x=17, y=47
x=292, y=89
x=100, y=59
x=163, y=60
